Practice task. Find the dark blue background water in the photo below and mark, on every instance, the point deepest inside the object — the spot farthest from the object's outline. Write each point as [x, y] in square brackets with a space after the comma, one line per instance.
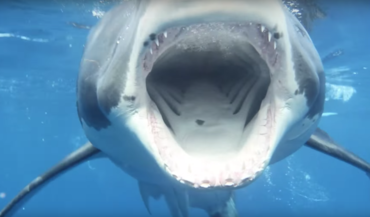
[40, 54]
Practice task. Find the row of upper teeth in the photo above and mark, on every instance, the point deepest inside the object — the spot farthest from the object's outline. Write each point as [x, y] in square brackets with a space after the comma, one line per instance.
[263, 28]
[156, 41]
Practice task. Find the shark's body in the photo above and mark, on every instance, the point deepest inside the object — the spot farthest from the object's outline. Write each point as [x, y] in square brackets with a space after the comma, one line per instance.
[195, 98]
[193, 85]
[154, 99]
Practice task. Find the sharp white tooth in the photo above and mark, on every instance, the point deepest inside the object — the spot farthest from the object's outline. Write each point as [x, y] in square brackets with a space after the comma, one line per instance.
[157, 42]
[269, 35]
[176, 177]
[245, 175]
[274, 45]
[165, 34]
[151, 51]
[229, 183]
[262, 28]
[205, 184]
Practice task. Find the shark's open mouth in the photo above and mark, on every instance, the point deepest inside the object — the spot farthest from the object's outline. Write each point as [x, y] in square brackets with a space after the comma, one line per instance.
[210, 113]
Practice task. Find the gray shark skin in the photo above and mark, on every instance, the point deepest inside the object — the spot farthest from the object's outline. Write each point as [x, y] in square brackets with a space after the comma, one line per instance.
[194, 99]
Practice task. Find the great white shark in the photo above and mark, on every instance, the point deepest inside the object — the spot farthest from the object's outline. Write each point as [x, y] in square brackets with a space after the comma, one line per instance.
[194, 99]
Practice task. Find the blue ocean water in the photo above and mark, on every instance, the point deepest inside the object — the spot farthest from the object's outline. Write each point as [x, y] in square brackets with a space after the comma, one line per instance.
[40, 52]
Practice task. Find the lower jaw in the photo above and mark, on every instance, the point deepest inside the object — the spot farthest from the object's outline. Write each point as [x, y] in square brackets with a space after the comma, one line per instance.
[233, 173]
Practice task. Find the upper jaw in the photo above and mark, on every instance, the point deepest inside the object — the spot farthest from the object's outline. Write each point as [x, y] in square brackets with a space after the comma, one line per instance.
[264, 40]
[161, 16]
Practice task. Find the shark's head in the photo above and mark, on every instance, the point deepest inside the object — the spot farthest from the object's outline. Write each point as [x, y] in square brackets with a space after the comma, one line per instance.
[212, 89]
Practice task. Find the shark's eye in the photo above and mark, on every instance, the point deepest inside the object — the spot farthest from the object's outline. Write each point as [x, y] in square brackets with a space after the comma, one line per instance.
[276, 35]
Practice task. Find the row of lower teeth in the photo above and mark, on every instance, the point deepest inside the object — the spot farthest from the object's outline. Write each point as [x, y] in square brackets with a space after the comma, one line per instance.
[188, 175]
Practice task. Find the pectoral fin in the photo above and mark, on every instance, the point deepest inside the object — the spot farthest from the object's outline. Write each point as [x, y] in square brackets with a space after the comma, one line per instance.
[321, 141]
[86, 152]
